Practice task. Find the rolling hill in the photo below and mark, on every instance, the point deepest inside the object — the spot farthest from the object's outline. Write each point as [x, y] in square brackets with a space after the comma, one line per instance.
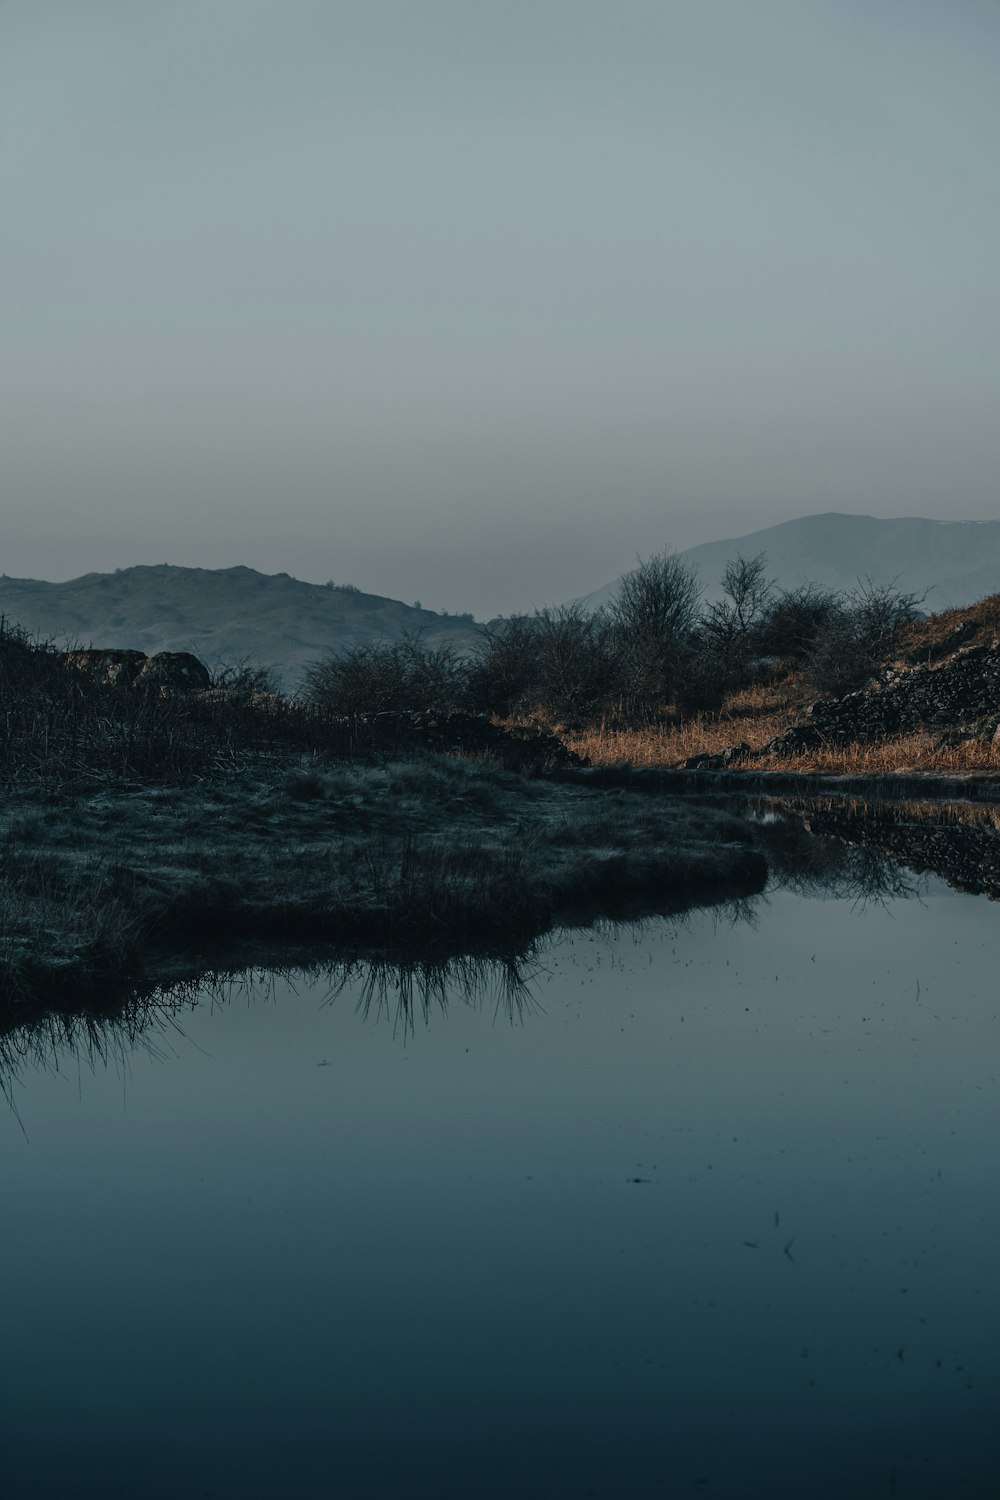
[948, 563]
[236, 614]
[222, 615]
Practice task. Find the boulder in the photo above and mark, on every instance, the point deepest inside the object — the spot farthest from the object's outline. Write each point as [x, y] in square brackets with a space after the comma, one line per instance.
[111, 668]
[172, 672]
[166, 672]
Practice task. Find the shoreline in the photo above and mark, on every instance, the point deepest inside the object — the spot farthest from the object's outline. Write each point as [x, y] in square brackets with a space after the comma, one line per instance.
[972, 786]
[103, 889]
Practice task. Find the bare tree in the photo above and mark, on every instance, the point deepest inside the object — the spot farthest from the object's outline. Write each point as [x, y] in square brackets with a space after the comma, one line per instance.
[726, 629]
[653, 616]
[658, 599]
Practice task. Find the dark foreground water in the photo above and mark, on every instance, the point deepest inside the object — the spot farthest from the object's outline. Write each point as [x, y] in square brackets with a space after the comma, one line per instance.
[716, 1215]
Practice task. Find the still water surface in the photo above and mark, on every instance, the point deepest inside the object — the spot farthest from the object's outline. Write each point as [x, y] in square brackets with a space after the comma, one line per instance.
[713, 1213]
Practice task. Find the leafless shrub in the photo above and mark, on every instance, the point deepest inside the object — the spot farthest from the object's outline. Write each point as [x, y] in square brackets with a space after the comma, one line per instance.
[386, 677]
[858, 636]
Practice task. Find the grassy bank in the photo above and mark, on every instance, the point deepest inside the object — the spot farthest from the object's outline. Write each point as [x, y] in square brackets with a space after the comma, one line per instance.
[107, 884]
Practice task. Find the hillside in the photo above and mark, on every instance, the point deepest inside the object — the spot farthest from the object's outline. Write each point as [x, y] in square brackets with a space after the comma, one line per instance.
[220, 615]
[948, 563]
[932, 704]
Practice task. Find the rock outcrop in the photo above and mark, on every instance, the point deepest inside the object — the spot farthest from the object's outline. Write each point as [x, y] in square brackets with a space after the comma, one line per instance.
[173, 671]
[960, 697]
[166, 672]
[110, 668]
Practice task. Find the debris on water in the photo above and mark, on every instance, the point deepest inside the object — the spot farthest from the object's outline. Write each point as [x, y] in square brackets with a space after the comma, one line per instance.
[638, 1179]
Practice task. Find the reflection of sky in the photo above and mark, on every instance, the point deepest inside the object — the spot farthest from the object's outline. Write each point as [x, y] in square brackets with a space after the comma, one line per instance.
[422, 1269]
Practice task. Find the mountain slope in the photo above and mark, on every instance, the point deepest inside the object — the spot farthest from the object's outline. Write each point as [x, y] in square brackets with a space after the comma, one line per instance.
[222, 615]
[949, 563]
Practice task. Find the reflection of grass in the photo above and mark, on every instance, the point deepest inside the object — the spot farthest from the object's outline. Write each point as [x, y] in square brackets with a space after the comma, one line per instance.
[431, 855]
[402, 992]
[152, 1017]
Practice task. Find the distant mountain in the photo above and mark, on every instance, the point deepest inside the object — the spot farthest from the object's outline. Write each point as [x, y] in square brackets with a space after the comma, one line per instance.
[950, 563]
[222, 615]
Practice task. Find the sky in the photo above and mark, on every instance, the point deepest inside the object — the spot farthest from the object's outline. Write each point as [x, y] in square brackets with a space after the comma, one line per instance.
[476, 301]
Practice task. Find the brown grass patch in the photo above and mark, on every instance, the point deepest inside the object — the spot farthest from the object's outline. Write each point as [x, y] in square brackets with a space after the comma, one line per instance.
[671, 746]
[920, 752]
[927, 638]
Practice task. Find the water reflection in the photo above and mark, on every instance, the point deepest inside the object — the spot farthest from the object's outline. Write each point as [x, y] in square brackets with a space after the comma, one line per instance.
[841, 848]
[60, 1041]
[719, 1220]
[809, 861]
[400, 993]
[959, 842]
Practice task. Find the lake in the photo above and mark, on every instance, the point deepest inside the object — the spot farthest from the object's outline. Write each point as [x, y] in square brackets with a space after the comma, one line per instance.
[701, 1207]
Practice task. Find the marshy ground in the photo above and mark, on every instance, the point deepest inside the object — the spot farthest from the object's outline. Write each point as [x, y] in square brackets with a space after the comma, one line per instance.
[103, 885]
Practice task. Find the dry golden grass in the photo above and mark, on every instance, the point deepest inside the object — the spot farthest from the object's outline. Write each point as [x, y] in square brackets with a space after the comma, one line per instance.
[652, 746]
[751, 716]
[926, 638]
[671, 747]
[919, 752]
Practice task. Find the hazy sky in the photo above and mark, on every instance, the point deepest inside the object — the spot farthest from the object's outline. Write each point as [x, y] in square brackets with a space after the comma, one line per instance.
[472, 301]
